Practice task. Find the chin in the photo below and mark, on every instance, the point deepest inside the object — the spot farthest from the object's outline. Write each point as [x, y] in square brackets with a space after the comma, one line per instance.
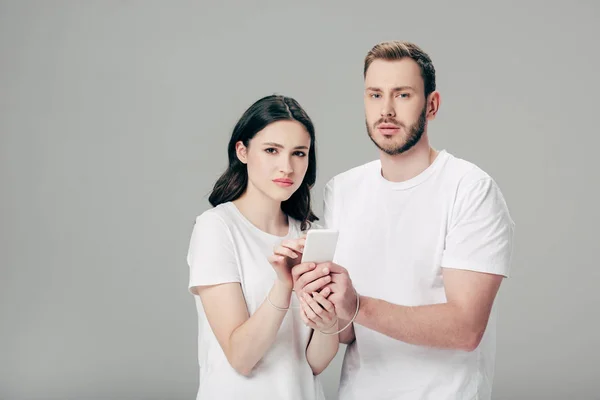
[281, 195]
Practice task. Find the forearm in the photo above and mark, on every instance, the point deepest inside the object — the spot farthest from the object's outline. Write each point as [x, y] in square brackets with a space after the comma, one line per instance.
[347, 335]
[250, 341]
[321, 350]
[436, 325]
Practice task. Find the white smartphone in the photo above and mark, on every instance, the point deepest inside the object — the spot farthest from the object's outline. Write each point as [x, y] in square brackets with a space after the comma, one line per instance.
[320, 245]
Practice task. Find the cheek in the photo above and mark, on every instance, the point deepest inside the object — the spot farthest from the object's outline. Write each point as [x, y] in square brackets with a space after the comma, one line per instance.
[258, 167]
[301, 165]
[372, 113]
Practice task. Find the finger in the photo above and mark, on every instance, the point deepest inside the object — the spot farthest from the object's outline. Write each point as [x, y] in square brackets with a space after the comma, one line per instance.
[284, 251]
[326, 291]
[301, 269]
[339, 278]
[334, 268]
[323, 302]
[306, 321]
[315, 307]
[310, 313]
[312, 276]
[294, 245]
[316, 285]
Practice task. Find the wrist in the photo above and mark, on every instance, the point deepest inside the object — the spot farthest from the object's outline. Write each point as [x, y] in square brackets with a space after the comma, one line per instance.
[285, 284]
[361, 313]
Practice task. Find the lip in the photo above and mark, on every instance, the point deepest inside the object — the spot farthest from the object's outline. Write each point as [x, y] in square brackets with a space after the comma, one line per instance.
[283, 182]
[387, 126]
[386, 129]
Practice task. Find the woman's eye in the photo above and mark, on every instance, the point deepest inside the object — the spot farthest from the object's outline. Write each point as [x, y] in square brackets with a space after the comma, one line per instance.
[300, 154]
[271, 150]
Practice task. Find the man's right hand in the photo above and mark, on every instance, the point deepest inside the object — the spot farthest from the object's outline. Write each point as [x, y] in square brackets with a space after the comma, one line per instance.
[333, 276]
[310, 277]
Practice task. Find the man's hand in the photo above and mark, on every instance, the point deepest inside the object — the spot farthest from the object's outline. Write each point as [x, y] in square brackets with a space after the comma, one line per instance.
[310, 277]
[333, 276]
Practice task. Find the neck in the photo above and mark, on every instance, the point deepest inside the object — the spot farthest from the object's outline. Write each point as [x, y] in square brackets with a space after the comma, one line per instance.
[405, 166]
[262, 211]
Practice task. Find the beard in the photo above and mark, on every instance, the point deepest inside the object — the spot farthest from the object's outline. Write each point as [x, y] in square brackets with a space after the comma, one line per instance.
[413, 135]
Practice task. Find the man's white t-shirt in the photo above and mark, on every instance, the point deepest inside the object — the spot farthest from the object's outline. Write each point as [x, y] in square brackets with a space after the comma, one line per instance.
[226, 247]
[395, 238]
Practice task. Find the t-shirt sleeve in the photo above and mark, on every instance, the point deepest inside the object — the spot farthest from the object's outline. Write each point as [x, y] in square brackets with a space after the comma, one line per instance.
[480, 235]
[211, 254]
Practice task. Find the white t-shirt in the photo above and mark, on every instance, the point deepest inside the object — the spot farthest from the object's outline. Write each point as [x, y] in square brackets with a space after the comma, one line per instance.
[226, 247]
[395, 238]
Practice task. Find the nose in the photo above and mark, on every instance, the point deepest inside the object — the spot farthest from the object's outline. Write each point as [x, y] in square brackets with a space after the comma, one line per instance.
[286, 165]
[388, 109]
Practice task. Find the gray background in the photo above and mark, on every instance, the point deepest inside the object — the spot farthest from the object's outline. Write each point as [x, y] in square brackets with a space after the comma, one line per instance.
[114, 119]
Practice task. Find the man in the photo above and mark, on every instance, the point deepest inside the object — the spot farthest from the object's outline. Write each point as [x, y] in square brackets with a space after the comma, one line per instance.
[425, 242]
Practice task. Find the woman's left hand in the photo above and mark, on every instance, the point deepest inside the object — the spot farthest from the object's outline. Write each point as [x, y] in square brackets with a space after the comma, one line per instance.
[317, 312]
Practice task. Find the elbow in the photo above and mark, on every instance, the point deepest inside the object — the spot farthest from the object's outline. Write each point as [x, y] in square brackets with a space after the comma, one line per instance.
[240, 367]
[471, 340]
[240, 363]
[317, 371]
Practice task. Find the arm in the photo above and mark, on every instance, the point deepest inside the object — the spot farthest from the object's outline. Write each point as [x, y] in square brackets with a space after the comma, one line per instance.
[321, 350]
[214, 276]
[347, 335]
[244, 339]
[319, 314]
[476, 258]
[457, 324]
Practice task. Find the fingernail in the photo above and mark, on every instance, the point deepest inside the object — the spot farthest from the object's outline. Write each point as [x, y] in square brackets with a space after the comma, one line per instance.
[312, 265]
[314, 293]
[326, 270]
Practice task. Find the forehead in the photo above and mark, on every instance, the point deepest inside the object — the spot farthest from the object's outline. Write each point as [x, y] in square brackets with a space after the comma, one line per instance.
[284, 132]
[386, 74]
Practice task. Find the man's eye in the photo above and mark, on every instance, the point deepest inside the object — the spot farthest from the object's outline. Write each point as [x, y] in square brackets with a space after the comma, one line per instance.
[375, 95]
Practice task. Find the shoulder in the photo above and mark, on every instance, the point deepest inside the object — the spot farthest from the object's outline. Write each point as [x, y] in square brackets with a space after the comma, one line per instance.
[353, 176]
[463, 175]
[474, 190]
[216, 220]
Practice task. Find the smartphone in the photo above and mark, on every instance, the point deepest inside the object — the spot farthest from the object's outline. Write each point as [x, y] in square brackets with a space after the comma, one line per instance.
[320, 245]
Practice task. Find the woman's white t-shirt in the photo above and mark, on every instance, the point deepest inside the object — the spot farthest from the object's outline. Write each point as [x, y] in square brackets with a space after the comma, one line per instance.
[226, 247]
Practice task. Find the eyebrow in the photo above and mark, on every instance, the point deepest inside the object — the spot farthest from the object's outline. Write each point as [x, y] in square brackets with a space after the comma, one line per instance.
[273, 144]
[396, 89]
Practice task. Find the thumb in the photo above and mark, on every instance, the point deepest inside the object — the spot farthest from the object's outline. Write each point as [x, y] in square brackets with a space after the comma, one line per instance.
[336, 269]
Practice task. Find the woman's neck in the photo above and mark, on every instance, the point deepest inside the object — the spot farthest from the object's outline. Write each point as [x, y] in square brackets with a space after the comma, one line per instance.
[263, 212]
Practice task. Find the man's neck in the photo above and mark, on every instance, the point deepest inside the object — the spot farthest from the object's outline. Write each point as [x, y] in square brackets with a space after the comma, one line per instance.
[405, 166]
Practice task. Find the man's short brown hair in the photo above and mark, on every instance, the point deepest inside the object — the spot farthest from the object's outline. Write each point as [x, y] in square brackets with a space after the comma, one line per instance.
[397, 50]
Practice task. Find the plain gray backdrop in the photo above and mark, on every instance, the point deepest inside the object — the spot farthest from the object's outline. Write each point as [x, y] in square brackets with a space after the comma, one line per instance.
[114, 121]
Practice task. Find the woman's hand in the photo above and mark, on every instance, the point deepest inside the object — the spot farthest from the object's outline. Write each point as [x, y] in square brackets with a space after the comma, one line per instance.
[285, 256]
[318, 312]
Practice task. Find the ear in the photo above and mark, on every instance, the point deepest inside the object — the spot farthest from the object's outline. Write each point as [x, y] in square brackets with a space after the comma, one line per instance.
[433, 104]
[242, 152]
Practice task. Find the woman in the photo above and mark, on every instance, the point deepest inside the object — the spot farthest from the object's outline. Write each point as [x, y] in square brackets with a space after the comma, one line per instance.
[254, 342]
